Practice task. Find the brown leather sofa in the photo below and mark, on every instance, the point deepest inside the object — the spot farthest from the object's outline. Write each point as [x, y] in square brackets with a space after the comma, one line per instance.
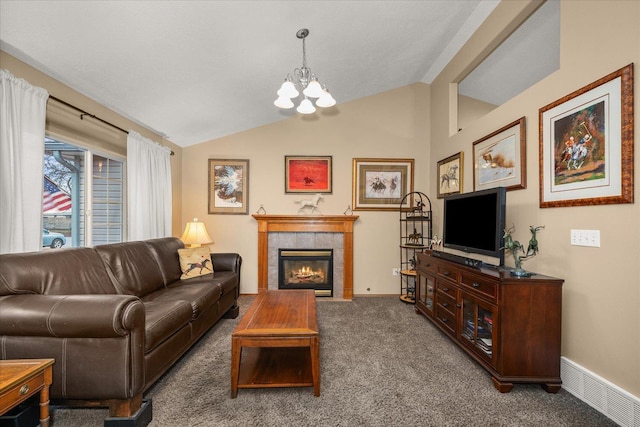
[114, 317]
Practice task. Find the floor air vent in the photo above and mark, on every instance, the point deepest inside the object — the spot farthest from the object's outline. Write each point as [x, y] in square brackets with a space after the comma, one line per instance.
[614, 402]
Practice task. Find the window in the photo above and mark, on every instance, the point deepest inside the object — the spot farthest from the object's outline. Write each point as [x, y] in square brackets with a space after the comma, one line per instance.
[84, 196]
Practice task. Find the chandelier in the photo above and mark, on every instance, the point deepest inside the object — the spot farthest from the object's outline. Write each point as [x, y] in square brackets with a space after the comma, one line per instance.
[307, 83]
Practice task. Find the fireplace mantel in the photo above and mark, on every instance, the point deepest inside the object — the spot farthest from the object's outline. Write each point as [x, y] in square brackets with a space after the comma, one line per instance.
[305, 224]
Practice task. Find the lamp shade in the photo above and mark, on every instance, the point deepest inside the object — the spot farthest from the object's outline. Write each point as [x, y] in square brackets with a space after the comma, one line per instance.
[288, 89]
[195, 234]
[314, 89]
[283, 102]
[325, 100]
[306, 107]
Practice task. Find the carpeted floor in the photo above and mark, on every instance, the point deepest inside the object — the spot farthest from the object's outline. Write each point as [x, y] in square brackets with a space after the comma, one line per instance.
[381, 365]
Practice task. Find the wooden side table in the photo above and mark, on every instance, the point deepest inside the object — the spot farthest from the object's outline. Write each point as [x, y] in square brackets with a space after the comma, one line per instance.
[23, 378]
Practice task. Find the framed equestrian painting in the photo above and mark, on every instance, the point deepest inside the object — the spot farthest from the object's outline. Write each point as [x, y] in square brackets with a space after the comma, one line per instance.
[586, 144]
[499, 159]
[307, 174]
[449, 177]
[380, 184]
[229, 187]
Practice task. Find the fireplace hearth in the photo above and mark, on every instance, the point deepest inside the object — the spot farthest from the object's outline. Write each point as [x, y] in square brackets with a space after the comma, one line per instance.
[306, 269]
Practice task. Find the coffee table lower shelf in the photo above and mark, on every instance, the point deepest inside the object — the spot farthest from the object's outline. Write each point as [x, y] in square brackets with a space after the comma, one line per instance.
[264, 367]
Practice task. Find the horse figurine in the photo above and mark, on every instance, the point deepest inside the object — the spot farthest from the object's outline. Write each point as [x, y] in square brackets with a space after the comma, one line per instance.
[414, 238]
[313, 203]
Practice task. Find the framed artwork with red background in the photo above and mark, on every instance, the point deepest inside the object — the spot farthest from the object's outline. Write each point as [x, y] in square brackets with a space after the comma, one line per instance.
[308, 174]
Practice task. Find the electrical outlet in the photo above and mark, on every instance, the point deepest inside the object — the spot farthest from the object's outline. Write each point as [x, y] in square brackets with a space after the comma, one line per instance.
[585, 238]
[395, 271]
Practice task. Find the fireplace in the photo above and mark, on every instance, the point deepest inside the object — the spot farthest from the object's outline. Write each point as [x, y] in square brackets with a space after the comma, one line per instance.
[338, 228]
[306, 269]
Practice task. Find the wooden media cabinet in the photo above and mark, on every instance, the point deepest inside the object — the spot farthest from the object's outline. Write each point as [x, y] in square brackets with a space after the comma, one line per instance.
[510, 325]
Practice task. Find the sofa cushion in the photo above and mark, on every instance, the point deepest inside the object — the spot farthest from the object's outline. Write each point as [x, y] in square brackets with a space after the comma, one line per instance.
[200, 293]
[54, 272]
[228, 281]
[195, 262]
[163, 319]
[132, 266]
[165, 250]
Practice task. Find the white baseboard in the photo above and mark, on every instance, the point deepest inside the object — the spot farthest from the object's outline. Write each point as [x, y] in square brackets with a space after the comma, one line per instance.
[606, 397]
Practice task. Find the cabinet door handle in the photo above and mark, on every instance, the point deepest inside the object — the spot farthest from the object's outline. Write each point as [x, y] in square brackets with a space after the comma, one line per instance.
[475, 284]
[459, 305]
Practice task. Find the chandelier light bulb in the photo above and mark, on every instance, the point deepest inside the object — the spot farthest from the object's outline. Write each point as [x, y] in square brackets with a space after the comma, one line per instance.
[283, 102]
[313, 90]
[325, 100]
[288, 89]
[306, 107]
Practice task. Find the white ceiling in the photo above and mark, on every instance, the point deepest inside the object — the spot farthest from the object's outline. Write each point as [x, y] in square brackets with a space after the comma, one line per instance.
[199, 70]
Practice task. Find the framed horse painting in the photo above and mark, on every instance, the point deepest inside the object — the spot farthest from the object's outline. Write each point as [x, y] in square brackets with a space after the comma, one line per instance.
[449, 179]
[380, 184]
[586, 144]
[308, 174]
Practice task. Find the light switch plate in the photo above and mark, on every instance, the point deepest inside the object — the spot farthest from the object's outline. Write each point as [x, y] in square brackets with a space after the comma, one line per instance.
[585, 238]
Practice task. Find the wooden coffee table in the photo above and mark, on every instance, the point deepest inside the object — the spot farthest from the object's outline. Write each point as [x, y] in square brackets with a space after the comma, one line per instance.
[277, 343]
[22, 378]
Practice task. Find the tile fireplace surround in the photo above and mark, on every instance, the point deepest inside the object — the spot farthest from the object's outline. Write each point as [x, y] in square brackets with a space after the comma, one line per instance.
[306, 229]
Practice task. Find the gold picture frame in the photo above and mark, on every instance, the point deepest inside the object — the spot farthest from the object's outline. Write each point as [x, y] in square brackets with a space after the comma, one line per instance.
[450, 175]
[380, 184]
[586, 144]
[500, 158]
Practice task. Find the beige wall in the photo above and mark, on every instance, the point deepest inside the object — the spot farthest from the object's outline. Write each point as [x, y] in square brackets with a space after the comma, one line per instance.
[393, 124]
[65, 123]
[601, 305]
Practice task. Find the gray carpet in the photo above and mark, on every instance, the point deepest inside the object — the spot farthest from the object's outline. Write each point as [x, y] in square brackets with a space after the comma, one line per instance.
[381, 365]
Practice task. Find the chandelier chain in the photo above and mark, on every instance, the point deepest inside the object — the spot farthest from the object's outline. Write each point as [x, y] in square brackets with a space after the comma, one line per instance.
[304, 52]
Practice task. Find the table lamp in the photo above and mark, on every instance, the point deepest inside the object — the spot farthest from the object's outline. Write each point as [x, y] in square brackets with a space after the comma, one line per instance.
[195, 234]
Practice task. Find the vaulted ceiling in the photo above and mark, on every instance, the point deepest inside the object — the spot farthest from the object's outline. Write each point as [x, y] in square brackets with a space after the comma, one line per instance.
[199, 70]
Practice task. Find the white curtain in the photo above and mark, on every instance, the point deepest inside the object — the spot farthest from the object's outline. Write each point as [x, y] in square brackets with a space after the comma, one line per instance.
[148, 188]
[23, 110]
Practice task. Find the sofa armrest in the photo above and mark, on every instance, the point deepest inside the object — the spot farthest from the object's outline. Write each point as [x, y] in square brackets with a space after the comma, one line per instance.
[70, 316]
[226, 262]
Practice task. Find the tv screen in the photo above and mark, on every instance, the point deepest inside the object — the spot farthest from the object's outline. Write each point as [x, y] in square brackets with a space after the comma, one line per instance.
[475, 222]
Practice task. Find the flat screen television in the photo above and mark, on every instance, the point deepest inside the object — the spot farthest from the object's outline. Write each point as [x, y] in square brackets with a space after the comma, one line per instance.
[475, 222]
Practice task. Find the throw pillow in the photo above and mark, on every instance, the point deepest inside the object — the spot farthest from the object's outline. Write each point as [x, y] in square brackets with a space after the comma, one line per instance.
[195, 262]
